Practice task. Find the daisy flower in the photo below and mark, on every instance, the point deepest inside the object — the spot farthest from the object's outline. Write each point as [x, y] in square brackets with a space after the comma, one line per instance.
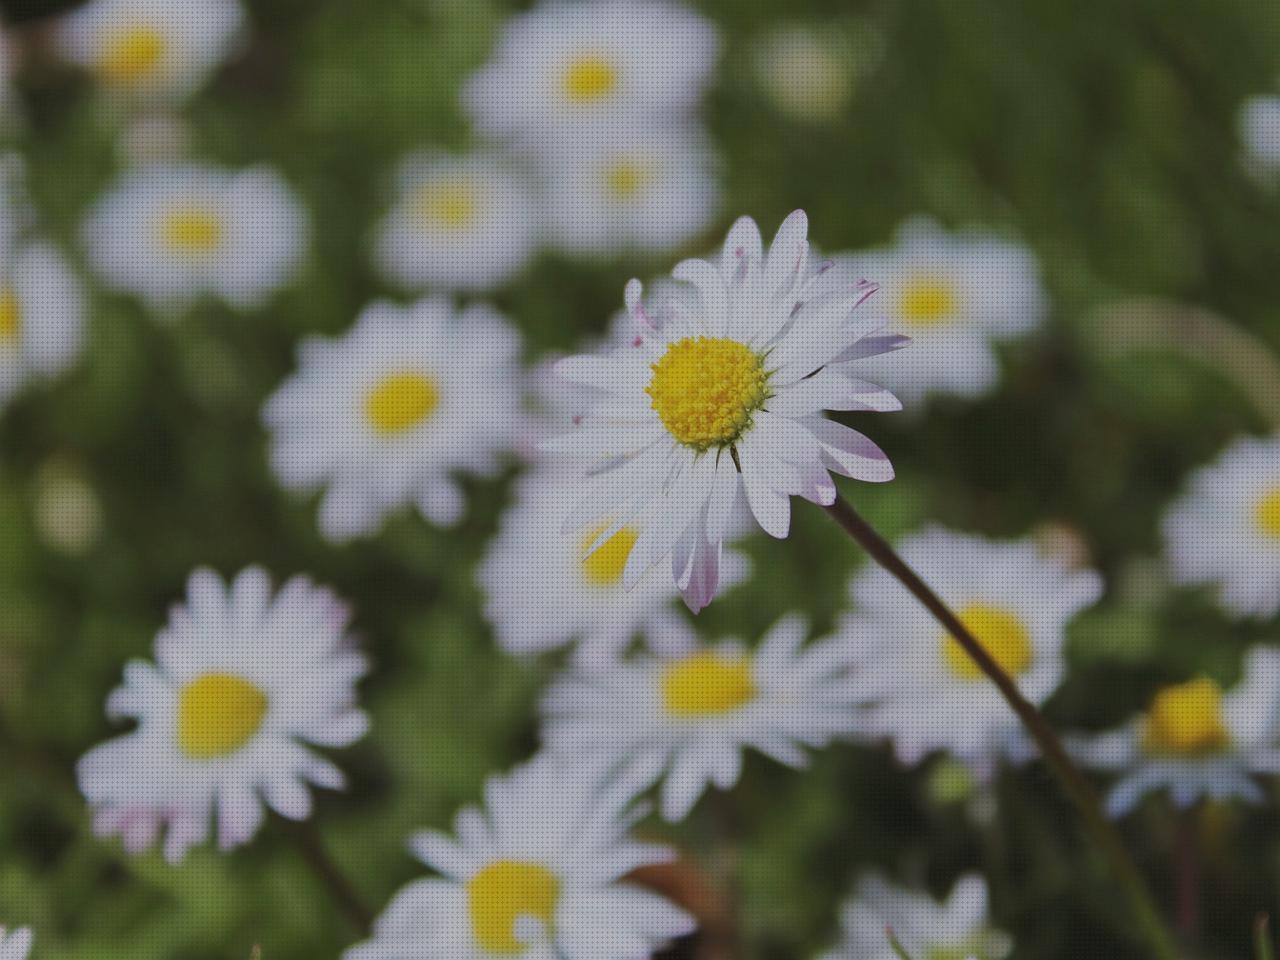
[1015, 600]
[1260, 131]
[244, 682]
[565, 63]
[15, 944]
[683, 711]
[633, 190]
[809, 72]
[726, 393]
[457, 223]
[1225, 531]
[536, 875]
[173, 233]
[954, 295]
[925, 928]
[41, 315]
[383, 416]
[1195, 740]
[546, 589]
[151, 49]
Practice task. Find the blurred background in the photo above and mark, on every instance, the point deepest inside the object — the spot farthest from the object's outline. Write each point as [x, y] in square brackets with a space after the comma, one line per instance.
[1104, 137]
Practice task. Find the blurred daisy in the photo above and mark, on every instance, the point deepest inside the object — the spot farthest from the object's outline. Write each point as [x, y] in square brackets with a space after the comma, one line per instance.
[1195, 740]
[954, 295]
[41, 315]
[567, 63]
[1013, 598]
[642, 190]
[171, 234]
[382, 417]
[151, 49]
[725, 393]
[243, 683]
[15, 944]
[537, 874]
[458, 223]
[684, 711]
[926, 929]
[546, 589]
[809, 71]
[1225, 530]
[1260, 131]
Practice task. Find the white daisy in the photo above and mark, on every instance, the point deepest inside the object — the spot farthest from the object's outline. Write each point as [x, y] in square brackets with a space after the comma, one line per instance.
[545, 588]
[384, 416]
[171, 234]
[243, 683]
[457, 223]
[726, 393]
[1195, 740]
[537, 875]
[1017, 603]
[629, 189]
[1225, 530]
[15, 944]
[926, 929]
[683, 711]
[954, 295]
[809, 71]
[151, 49]
[567, 63]
[41, 315]
[1260, 131]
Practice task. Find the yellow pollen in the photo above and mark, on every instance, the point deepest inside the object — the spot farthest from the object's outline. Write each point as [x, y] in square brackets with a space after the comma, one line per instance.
[927, 302]
[1266, 514]
[502, 893]
[1187, 719]
[626, 178]
[705, 390]
[705, 684]
[589, 79]
[401, 401]
[192, 230]
[218, 714]
[130, 53]
[603, 566]
[10, 314]
[449, 205]
[1002, 635]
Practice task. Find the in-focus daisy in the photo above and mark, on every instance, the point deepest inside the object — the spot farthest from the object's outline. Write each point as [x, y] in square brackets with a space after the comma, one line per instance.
[537, 875]
[173, 233]
[1260, 132]
[565, 64]
[726, 393]
[1017, 603]
[683, 711]
[954, 295]
[382, 417]
[243, 684]
[457, 223]
[1225, 531]
[41, 315]
[926, 929]
[152, 49]
[1196, 740]
[546, 588]
[629, 189]
[15, 944]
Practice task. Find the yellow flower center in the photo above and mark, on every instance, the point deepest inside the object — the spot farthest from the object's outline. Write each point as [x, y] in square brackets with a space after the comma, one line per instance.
[626, 178]
[1002, 634]
[1266, 514]
[192, 229]
[927, 302]
[10, 314]
[1187, 719]
[705, 390]
[501, 894]
[589, 79]
[603, 566]
[401, 401]
[130, 53]
[218, 714]
[707, 683]
[448, 205]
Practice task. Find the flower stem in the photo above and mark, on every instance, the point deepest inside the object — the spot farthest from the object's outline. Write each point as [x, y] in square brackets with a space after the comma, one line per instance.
[320, 863]
[1077, 788]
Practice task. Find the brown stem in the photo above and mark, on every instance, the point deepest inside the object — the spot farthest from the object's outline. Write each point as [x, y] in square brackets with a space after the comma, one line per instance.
[1077, 788]
[1187, 866]
[335, 881]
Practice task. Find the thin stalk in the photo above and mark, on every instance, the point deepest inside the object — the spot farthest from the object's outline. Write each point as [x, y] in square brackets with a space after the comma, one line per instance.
[1076, 787]
[1187, 865]
[1262, 939]
[330, 874]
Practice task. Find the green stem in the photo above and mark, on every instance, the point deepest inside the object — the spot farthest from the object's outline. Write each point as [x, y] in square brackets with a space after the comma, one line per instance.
[330, 874]
[1099, 829]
